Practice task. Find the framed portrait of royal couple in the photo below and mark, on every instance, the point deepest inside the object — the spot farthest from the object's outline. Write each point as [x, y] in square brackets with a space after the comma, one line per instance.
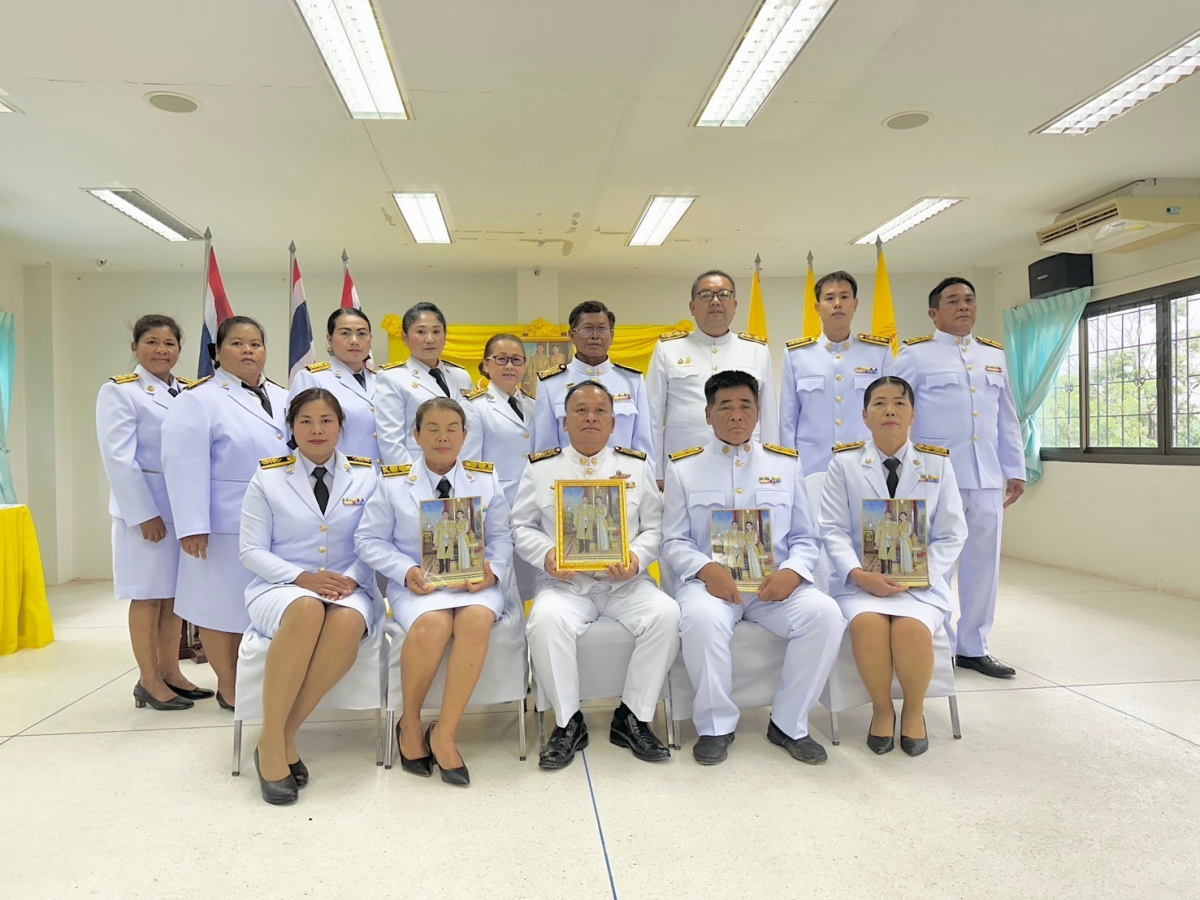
[452, 540]
[591, 528]
[743, 542]
[895, 540]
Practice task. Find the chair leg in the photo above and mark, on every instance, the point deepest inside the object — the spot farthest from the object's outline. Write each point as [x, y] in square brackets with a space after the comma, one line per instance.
[833, 729]
[379, 737]
[669, 717]
[954, 717]
[391, 728]
[521, 728]
[541, 717]
[237, 747]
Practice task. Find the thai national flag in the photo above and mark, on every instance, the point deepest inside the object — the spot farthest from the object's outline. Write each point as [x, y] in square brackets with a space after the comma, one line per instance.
[349, 294]
[300, 343]
[216, 311]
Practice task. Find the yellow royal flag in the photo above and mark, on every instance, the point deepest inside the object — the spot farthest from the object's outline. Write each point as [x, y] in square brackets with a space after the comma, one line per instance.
[758, 312]
[812, 319]
[883, 315]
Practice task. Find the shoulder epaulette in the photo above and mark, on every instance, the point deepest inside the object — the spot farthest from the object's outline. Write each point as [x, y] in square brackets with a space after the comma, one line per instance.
[839, 446]
[673, 335]
[274, 462]
[552, 371]
[125, 379]
[396, 470]
[446, 362]
[625, 451]
[319, 367]
[800, 342]
[875, 339]
[359, 460]
[918, 340]
[786, 451]
[932, 448]
[998, 346]
[198, 382]
[478, 392]
[684, 454]
[747, 336]
[617, 365]
[390, 366]
[186, 382]
[545, 454]
[472, 465]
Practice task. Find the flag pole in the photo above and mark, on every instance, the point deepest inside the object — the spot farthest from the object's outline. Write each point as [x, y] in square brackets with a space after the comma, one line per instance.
[878, 247]
[204, 295]
[345, 261]
[757, 262]
[810, 259]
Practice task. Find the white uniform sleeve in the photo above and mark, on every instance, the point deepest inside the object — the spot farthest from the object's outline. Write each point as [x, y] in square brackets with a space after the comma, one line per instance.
[187, 464]
[545, 427]
[373, 539]
[390, 425]
[947, 526]
[768, 423]
[889, 364]
[789, 403]
[679, 549]
[836, 522]
[473, 445]
[362, 573]
[257, 527]
[906, 367]
[1008, 430]
[804, 544]
[116, 429]
[532, 543]
[497, 530]
[648, 541]
[642, 439]
[302, 382]
[656, 401]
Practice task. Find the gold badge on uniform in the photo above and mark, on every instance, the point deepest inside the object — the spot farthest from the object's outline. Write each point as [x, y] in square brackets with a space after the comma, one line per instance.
[770, 479]
[994, 369]
[353, 501]
[865, 370]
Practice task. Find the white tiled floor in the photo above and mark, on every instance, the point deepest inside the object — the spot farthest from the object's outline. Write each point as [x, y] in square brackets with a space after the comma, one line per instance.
[1078, 779]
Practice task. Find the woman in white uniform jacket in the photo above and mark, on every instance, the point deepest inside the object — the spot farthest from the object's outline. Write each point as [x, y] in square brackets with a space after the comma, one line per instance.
[213, 437]
[891, 626]
[405, 386]
[129, 414]
[390, 541]
[311, 595]
[349, 333]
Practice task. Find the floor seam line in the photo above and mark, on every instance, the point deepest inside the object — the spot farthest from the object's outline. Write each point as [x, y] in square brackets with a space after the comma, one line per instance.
[73, 702]
[1135, 718]
[600, 828]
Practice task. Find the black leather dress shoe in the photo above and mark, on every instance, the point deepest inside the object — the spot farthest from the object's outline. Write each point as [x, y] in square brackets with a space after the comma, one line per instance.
[988, 665]
[560, 750]
[881, 745]
[143, 698]
[277, 793]
[192, 693]
[712, 748]
[804, 749]
[299, 771]
[422, 765]
[627, 731]
[915, 746]
[458, 775]
[223, 703]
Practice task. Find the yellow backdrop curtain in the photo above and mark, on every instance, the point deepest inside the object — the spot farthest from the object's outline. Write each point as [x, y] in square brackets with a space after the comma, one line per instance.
[24, 613]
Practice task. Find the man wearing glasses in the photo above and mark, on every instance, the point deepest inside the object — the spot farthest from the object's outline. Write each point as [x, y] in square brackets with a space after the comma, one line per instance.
[683, 362]
[592, 326]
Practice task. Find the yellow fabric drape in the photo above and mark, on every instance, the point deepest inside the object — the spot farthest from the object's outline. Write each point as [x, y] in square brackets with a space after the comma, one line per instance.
[24, 612]
[883, 314]
[812, 319]
[758, 312]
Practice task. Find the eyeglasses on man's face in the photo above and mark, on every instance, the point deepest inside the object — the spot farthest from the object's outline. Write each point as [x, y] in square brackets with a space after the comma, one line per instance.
[597, 331]
[707, 296]
[503, 361]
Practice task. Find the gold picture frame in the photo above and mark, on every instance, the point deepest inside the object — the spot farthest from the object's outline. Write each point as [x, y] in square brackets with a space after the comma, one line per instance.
[542, 353]
[451, 528]
[895, 540]
[606, 540]
[729, 531]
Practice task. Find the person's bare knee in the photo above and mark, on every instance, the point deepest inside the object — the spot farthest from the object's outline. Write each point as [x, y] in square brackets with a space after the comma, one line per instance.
[870, 625]
[306, 613]
[473, 623]
[344, 622]
[912, 633]
[431, 628]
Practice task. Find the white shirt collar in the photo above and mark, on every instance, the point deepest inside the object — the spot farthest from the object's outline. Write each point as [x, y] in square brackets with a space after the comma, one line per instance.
[947, 338]
[582, 368]
[308, 465]
[147, 375]
[709, 341]
[830, 344]
[580, 460]
[434, 478]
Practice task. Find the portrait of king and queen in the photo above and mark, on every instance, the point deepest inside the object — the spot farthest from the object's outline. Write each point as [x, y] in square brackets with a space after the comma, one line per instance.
[591, 524]
[452, 540]
[742, 542]
[542, 354]
[895, 540]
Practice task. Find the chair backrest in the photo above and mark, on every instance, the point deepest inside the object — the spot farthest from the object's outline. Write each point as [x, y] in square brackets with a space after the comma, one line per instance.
[815, 485]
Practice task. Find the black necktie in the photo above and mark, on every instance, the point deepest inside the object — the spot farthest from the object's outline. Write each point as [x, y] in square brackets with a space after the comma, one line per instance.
[173, 391]
[893, 475]
[320, 490]
[261, 392]
[443, 489]
[361, 378]
[440, 379]
[516, 407]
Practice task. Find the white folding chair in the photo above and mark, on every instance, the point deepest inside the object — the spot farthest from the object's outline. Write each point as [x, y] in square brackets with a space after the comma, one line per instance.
[363, 687]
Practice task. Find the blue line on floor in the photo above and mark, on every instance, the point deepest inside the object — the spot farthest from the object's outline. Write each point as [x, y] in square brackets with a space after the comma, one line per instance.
[603, 846]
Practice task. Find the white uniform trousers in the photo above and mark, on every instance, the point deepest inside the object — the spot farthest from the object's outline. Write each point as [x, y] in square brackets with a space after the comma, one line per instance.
[810, 620]
[978, 571]
[559, 616]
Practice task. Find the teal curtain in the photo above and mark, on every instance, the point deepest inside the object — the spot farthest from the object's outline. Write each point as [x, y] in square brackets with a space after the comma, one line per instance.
[1038, 336]
[8, 364]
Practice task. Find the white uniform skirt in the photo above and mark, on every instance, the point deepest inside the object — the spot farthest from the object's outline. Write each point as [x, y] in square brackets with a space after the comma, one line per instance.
[143, 570]
[211, 592]
[267, 606]
[407, 607]
[909, 605]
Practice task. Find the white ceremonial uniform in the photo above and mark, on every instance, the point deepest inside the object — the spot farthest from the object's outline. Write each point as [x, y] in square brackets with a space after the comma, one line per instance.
[682, 362]
[212, 440]
[284, 534]
[821, 394]
[129, 414]
[389, 537]
[749, 476]
[563, 610]
[401, 389]
[857, 474]
[631, 408]
[964, 403]
[359, 436]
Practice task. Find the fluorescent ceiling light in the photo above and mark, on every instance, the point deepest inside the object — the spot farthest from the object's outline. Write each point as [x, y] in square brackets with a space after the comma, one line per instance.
[661, 216]
[349, 36]
[423, 213]
[4, 108]
[775, 37]
[146, 212]
[1152, 79]
[919, 212]
[4, 104]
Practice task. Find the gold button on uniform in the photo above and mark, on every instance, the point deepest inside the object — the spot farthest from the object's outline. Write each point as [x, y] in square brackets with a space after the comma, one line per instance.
[738, 491]
[970, 368]
[324, 527]
[837, 399]
[837, 421]
[975, 438]
[975, 414]
[320, 549]
[838, 377]
[973, 391]
[372, 409]
[837, 356]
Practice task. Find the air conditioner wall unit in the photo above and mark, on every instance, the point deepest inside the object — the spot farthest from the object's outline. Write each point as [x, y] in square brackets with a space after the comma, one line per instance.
[1130, 218]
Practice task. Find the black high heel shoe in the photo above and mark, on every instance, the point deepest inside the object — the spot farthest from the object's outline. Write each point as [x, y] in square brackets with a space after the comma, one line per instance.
[191, 693]
[277, 793]
[915, 746]
[300, 772]
[881, 744]
[142, 697]
[423, 765]
[223, 703]
[458, 776]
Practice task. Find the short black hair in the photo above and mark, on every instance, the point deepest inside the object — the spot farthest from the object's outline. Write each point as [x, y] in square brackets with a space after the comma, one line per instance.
[730, 378]
[888, 379]
[832, 278]
[152, 321]
[590, 307]
[342, 312]
[439, 403]
[589, 383]
[709, 274]
[935, 296]
[414, 311]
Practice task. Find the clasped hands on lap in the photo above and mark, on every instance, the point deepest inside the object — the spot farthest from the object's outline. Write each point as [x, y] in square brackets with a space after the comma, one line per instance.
[877, 583]
[327, 585]
[416, 582]
[777, 586]
[613, 571]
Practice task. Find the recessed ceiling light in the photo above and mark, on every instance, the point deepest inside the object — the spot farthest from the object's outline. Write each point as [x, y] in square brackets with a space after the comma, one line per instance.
[1136, 88]
[169, 101]
[349, 36]
[919, 212]
[146, 212]
[775, 37]
[659, 219]
[907, 120]
[422, 210]
[5, 105]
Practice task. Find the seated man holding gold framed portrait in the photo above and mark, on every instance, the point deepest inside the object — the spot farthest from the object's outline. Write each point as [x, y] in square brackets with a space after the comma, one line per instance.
[579, 580]
[734, 479]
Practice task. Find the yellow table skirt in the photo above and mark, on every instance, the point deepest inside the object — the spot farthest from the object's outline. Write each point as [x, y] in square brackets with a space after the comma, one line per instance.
[24, 611]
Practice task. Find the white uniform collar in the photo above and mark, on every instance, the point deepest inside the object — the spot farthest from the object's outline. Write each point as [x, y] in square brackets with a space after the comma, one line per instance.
[153, 380]
[578, 366]
[331, 465]
[947, 338]
[835, 345]
[339, 366]
[435, 478]
[579, 459]
[709, 341]
[736, 451]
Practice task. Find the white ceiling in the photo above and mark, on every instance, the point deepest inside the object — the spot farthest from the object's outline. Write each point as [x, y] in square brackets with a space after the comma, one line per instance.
[554, 120]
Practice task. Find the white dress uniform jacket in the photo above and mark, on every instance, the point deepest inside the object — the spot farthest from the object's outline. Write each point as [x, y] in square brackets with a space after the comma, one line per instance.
[682, 362]
[497, 434]
[401, 389]
[564, 609]
[857, 474]
[284, 534]
[389, 537]
[721, 476]
[631, 408]
[821, 395]
[130, 410]
[358, 403]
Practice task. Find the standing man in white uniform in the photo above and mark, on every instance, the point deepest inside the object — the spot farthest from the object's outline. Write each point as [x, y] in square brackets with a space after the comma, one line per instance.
[821, 393]
[683, 361]
[966, 404]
